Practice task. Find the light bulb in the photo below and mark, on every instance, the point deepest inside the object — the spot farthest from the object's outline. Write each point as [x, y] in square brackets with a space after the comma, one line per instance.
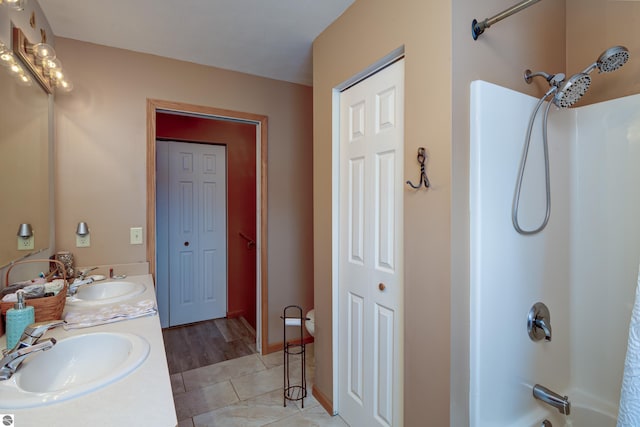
[24, 80]
[65, 85]
[57, 75]
[43, 51]
[51, 64]
[6, 59]
[6, 56]
[16, 4]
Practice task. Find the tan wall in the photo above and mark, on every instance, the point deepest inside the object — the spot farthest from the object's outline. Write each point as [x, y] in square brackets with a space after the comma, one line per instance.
[45, 237]
[596, 25]
[535, 39]
[364, 34]
[441, 61]
[101, 149]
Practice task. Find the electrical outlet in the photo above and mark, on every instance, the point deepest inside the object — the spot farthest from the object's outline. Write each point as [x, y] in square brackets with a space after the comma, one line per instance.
[26, 243]
[135, 235]
[83, 241]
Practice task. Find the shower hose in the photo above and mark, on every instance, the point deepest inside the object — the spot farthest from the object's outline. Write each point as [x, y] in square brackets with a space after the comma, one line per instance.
[523, 163]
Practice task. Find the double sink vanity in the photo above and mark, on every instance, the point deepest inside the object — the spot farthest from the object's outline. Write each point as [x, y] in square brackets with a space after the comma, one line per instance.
[112, 374]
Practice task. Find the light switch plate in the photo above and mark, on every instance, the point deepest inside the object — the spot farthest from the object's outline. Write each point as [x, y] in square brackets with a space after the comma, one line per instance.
[26, 244]
[135, 235]
[83, 241]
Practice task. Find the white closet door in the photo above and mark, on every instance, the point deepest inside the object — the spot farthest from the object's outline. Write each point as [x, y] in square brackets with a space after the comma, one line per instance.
[370, 250]
[197, 233]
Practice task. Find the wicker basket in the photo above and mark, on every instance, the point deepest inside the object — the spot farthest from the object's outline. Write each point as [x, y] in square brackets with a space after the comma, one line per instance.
[46, 308]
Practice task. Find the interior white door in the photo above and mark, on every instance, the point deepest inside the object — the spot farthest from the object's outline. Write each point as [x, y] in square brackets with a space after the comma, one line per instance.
[370, 250]
[197, 233]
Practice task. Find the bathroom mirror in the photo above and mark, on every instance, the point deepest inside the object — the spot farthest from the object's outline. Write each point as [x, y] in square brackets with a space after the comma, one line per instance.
[24, 165]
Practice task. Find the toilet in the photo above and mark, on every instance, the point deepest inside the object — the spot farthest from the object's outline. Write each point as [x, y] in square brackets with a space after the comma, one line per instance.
[310, 323]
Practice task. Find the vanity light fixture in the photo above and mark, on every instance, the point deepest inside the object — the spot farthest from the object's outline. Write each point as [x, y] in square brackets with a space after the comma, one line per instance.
[14, 4]
[9, 61]
[25, 237]
[83, 239]
[6, 56]
[41, 60]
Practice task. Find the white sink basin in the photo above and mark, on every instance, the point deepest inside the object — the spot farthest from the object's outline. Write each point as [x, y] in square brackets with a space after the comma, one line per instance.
[105, 293]
[74, 367]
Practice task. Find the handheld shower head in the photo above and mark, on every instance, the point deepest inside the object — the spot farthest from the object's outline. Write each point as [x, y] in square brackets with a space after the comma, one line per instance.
[610, 60]
[572, 90]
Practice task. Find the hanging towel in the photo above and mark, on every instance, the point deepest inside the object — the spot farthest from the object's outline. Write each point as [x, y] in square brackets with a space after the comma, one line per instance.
[629, 412]
[116, 313]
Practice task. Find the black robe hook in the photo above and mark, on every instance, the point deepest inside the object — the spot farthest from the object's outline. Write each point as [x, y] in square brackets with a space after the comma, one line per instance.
[422, 157]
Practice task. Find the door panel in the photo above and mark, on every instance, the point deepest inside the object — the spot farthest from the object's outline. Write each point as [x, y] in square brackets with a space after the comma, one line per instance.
[370, 362]
[385, 212]
[383, 362]
[356, 209]
[185, 283]
[355, 350]
[197, 233]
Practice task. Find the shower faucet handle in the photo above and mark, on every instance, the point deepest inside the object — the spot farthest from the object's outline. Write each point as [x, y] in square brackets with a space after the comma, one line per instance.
[539, 322]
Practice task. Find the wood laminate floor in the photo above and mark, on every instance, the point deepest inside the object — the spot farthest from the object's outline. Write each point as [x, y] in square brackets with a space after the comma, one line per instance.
[206, 343]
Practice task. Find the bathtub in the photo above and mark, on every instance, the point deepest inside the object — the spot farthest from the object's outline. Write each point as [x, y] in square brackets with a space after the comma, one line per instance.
[583, 417]
[565, 266]
[586, 411]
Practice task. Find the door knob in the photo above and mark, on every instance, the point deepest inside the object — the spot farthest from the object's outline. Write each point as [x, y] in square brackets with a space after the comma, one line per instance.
[381, 286]
[186, 243]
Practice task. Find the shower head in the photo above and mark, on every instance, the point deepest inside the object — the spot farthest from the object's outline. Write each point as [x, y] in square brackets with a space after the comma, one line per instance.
[568, 92]
[610, 60]
[572, 90]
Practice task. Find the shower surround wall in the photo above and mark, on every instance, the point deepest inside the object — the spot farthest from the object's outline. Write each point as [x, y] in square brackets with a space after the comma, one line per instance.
[583, 266]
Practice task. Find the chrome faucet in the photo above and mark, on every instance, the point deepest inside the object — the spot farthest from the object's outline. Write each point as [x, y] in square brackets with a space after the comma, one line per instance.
[539, 322]
[73, 288]
[542, 323]
[80, 280]
[27, 344]
[561, 403]
[82, 273]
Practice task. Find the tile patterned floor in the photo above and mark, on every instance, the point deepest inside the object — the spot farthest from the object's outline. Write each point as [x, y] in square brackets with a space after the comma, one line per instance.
[243, 391]
[247, 392]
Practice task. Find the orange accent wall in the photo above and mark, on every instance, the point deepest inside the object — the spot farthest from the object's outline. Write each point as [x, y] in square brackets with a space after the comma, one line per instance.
[240, 140]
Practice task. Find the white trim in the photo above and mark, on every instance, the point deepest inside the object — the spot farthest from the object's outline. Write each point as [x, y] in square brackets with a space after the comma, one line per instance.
[335, 244]
[258, 237]
[384, 62]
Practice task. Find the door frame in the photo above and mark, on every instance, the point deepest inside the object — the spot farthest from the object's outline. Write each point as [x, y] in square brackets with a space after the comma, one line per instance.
[387, 60]
[213, 113]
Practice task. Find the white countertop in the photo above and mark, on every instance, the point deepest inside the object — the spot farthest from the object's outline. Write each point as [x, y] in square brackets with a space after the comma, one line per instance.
[143, 398]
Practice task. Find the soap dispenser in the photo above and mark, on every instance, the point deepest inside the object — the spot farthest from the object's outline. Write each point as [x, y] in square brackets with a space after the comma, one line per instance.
[18, 318]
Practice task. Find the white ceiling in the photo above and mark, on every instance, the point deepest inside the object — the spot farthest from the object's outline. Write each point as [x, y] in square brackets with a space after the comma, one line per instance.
[269, 38]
